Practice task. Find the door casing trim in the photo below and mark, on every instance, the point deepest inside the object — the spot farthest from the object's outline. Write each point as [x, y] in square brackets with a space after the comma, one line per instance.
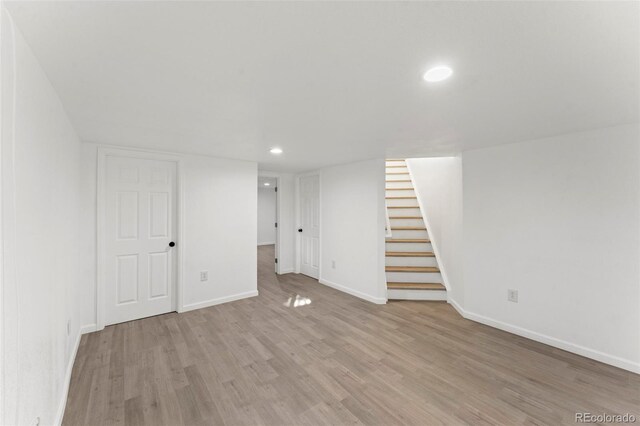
[102, 155]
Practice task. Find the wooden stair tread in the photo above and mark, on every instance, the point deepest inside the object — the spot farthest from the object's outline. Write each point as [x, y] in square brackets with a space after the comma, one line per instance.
[405, 217]
[408, 228]
[410, 254]
[399, 189]
[394, 159]
[411, 269]
[401, 198]
[408, 240]
[403, 207]
[416, 286]
[397, 173]
[394, 167]
[399, 180]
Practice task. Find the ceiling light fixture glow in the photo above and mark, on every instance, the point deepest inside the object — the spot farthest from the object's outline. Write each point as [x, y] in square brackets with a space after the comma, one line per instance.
[436, 74]
[276, 150]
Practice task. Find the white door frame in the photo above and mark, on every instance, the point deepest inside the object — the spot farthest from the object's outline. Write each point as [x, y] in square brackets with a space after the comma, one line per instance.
[298, 215]
[103, 154]
[279, 227]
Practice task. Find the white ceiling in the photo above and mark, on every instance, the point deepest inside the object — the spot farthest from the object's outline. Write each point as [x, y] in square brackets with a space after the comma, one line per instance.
[335, 82]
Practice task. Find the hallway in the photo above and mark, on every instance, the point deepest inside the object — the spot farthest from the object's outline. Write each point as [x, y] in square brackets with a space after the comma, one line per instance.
[303, 353]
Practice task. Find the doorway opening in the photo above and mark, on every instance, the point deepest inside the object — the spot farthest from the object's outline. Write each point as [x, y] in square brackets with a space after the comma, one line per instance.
[309, 225]
[268, 219]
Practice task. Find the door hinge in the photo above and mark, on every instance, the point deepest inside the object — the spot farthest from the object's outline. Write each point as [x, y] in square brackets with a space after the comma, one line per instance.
[276, 224]
[276, 260]
[276, 188]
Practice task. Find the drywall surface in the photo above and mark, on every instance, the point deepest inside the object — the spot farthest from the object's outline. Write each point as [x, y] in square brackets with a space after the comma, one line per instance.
[352, 222]
[40, 210]
[266, 216]
[558, 220]
[438, 186]
[219, 230]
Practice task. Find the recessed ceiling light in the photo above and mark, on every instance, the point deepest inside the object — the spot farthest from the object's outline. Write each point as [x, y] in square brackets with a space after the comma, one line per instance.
[276, 150]
[437, 74]
[267, 184]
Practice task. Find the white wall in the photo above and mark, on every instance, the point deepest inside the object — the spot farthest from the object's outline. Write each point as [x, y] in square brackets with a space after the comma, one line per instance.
[286, 221]
[220, 227]
[438, 186]
[40, 210]
[558, 220]
[266, 216]
[352, 222]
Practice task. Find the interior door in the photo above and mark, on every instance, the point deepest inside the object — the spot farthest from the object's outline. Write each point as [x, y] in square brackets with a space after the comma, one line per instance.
[309, 225]
[140, 222]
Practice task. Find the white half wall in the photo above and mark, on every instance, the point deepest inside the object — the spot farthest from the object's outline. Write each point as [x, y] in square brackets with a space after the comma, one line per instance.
[40, 211]
[266, 216]
[352, 234]
[438, 185]
[220, 228]
[558, 220]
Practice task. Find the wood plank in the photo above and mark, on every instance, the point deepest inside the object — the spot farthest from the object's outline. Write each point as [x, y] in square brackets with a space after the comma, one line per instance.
[336, 360]
[415, 286]
[405, 217]
[408, 228]
[411, 269]
[402, 198]
[408, 240]
[410, 254]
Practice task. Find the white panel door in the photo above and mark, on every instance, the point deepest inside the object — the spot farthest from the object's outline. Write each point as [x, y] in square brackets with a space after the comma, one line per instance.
[140, 222]
[310, 225]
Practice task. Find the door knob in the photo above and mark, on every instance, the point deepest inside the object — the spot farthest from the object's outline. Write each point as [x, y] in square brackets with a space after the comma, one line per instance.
[300, 230]
[172, 244]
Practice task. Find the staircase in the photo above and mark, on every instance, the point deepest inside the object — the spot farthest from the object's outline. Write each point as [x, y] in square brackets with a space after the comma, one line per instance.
[411, 266]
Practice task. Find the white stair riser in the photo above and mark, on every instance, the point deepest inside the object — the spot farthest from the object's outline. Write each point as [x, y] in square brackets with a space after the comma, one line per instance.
[391, 185]
[405, 212]
[410, 261]
[397, 193]
[396, 169]
[414, 277]
[398, 177]
[402, 202]
[406, 222]
[395, 163]
[409, 247]
[408, 234]
[396, 294]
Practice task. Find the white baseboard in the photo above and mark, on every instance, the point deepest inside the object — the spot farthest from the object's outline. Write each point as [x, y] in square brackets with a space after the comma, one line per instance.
[218, 301]
[267, 244]
[67, 381]
[89, 328]
[594, 354]
[286, 271]
[356, 293]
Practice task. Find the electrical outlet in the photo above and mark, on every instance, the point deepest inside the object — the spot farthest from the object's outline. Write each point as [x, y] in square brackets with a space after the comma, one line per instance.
[204, 275]
[333, 264]
[512, 295]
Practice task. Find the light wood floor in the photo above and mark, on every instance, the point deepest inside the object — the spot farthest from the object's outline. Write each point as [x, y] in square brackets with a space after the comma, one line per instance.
[336, 360]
